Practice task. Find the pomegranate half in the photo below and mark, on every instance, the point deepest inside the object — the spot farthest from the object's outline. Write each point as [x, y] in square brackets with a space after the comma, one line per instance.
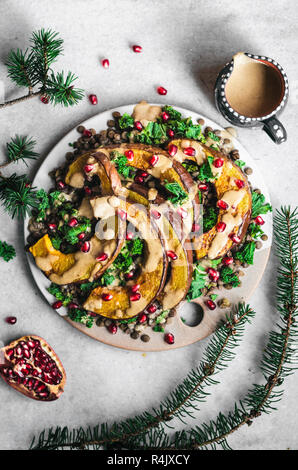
[31, 367]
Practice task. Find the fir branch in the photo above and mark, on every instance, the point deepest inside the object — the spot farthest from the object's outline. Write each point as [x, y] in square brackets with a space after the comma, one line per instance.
[20, 68]
[20, 148]
[7, 252]
[60, 90]
[181, 402]
[17, 196]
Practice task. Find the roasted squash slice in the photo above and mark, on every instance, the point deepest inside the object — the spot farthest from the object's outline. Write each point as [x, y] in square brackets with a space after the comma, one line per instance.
[122, 302]
[231, 187]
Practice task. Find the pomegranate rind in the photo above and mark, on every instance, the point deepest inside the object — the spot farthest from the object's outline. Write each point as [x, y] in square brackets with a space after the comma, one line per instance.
[55, 391]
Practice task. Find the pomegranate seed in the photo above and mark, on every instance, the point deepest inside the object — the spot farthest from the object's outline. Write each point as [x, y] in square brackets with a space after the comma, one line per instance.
[9, 353]
[57, 305]
[218, 162]
[203, 186]
[137, 48]
[81, 235]
[228, 260]
[213, 274]
[142, 318]
[87, 133]
[195, 227]
[153, 160]
[139, 179]
[31, 344]
[73, 222]
[210, 304]
[105, 63]
[102, 257]
[92, 314]
[129, 275]
[172, 255]
[88, 168]
[152, 308]
[222, 204]
[171, 133]
[259, 220]
[73, 305]
[135, 288]
[106, 296]
[85, 247]
[11, 320]
[129, 155]
[143, 174]
[27, 354]
[182, 212]
[93, 99]
[161, 90]
[173, 149]
[239, 183]
[165, 116]
[155, 214]
[87, 190]
[61, 185]
[44, 99]
[122, 214]
[221, 226]
[169, 338]
[129, 235]
[52, 226]
[135, 297]
[138, 125]
[112, 328]
[234, 238]
[189, 151]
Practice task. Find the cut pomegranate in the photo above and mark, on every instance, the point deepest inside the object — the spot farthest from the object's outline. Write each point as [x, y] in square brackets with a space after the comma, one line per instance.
[203, 186]
[239, 183]
[153, 160]
[57, 305]
[222, 204]
[173, 149]
[189, 151]
[218, 162]
[113, 328]
[169, 338]
[85, 247]
[73, 222]
[228, 260]
[142, 318]
[165, 116]
[135, 297]
[106, 296]
[210, 304]
[213, 274]
[172, 255]
[93, 99]
[171, 133]
[105, 63]
[152, 308]
[102, 257]
[52, 226]
[155, 214]
[11, 320]
[129, 155]
[221, 226]
[88, 168]
[31, 367]
[259, 220]
[137, 48]
[138, 125]
[235, 238]
[87, 133]
[161, 90]
[122, 214]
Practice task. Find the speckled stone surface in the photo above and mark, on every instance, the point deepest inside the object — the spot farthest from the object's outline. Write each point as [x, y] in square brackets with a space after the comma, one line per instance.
[185, 44]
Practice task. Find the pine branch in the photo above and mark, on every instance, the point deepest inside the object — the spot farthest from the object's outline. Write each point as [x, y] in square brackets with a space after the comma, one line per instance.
[16, 195]
[20, 148]
[33, 69]
[182, 401]
[7, 252]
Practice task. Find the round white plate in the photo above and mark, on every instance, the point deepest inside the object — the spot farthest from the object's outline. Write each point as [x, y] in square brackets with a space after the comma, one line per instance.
[183, 333]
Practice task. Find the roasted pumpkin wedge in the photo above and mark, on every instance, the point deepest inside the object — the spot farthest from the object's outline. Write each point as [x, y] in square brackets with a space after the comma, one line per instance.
[127, 301]
[234, 199]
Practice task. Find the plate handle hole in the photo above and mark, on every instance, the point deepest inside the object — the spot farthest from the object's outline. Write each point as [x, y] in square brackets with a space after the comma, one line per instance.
[191, 314]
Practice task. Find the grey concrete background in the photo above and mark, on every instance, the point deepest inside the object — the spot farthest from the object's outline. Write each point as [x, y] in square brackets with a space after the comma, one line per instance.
[185, 43]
